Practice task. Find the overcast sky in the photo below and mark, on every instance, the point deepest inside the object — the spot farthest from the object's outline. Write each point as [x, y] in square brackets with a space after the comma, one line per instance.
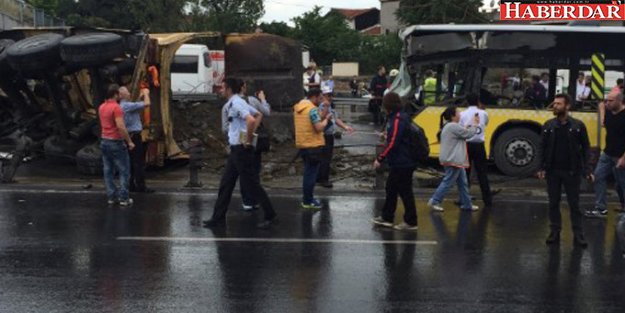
[285, 10]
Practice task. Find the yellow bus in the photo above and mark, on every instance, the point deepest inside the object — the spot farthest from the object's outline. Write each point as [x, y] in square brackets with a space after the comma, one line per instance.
[498, 62]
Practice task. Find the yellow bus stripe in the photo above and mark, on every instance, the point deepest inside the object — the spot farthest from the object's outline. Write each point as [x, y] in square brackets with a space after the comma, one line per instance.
[597, 91]
[599, 63]
[598, 79]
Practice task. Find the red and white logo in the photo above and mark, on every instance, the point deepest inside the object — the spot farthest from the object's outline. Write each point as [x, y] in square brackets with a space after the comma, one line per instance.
[544, 10]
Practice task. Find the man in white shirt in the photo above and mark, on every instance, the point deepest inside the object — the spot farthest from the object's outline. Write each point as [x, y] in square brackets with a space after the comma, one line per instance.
[475, 145]
[544, 80]
[583, 91]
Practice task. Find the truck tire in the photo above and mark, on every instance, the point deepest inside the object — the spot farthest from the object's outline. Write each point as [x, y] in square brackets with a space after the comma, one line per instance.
[89, 160]
[518, 152]
[4, 64]
[35, 54]
[60, 150]
[91, 49]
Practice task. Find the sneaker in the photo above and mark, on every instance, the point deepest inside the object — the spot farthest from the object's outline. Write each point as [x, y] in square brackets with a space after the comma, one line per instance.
[435, 207]
[472, 208]
[379, 221]
[314, 205]
[111, 201]
[127, 202]
[596, 213]
[406, 227]
[249, 207]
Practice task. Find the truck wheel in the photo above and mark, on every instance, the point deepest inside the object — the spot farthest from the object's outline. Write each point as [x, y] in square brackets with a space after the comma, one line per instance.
[518, 152]
[60, 150]
[89, 160]
[91, 49]
[35, 54]
[4, 46]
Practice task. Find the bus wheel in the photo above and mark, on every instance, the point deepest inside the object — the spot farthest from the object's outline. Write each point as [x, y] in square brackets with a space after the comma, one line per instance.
[517, 152]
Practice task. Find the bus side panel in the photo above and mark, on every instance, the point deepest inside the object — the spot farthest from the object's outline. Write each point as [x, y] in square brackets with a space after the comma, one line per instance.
[429, 120]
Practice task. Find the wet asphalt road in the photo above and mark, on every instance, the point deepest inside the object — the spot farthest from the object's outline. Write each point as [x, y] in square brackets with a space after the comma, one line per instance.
[70, 252]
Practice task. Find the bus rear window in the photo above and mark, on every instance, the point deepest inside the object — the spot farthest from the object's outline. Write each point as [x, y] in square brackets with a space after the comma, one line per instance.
[185, 64]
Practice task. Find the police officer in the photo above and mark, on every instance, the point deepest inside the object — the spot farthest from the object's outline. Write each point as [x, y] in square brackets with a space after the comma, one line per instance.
[243, 122]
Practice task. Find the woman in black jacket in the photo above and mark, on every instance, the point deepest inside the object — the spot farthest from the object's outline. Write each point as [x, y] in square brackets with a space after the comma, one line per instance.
[398, 155]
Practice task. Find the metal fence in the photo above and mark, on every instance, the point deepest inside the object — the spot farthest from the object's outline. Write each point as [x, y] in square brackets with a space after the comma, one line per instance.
[16, 13]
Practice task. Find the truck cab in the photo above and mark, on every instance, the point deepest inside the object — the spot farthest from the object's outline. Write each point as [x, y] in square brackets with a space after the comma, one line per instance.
[192, 71]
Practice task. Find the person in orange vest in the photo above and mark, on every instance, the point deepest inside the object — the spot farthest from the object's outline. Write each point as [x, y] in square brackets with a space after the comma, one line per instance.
[310, 123]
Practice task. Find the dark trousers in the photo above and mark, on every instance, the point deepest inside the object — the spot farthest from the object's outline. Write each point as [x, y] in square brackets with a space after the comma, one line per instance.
[571, 182]
[375, 105]
[240, 164]
[399, 182]
[326, 160]
[311, 170]
[246, 194]
[477, 159]
[137, 163]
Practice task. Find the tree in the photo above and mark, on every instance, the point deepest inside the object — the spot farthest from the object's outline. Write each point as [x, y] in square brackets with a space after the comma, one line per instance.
[380, 50]
[277, 28]
[49, 6]
[153, 16]
[226, 16]
[328, 37]
[440, 12]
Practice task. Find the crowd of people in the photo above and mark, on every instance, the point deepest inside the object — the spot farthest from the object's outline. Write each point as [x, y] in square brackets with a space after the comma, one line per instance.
[565, 157]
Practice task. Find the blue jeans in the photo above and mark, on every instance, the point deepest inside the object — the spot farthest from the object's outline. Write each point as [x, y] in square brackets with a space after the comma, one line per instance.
[605, 167]
[457, 176]
[312, 158]
[115, 158]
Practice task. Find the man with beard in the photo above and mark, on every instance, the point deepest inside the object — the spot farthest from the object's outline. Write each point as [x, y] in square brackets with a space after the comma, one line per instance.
[566, 158]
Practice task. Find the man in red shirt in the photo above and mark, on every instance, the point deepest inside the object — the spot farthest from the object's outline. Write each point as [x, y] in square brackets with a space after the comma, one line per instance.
[115, 143]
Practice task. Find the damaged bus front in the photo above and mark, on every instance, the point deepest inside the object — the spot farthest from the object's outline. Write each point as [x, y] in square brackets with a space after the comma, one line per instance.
[443, 63]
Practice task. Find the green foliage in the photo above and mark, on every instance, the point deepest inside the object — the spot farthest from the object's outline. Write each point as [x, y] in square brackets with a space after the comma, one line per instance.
[226, 16]
[328, 37]
[49, 6]
[152, 16]
[440, 12]
[164, 15]
[277, 28]
[380, 50]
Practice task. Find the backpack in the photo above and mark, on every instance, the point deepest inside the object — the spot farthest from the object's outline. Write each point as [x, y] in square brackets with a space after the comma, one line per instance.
[419, 145]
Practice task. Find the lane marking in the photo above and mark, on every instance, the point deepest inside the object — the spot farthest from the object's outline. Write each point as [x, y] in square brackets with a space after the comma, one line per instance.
[280, 240]
[291, 195]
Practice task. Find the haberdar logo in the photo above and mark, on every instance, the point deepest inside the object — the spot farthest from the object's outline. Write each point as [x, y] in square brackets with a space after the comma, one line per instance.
[543, 10]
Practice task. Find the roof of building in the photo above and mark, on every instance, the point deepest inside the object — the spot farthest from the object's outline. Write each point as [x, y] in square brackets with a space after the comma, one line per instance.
[352, 13]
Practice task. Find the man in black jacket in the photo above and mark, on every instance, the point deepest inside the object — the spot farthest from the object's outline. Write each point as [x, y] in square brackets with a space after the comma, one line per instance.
[566, 151]
[378, 85]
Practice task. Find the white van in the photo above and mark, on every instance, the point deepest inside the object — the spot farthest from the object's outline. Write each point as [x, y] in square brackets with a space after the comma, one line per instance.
[191, 71]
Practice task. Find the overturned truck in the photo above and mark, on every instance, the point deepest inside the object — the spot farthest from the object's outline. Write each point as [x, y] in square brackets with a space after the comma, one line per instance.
[53, 80]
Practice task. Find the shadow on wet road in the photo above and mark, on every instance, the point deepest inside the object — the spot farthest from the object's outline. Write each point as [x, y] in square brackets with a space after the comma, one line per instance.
[70, 252]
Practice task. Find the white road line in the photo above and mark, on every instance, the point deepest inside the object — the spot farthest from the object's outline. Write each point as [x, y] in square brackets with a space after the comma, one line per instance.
[290, 195]
[280, 240]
